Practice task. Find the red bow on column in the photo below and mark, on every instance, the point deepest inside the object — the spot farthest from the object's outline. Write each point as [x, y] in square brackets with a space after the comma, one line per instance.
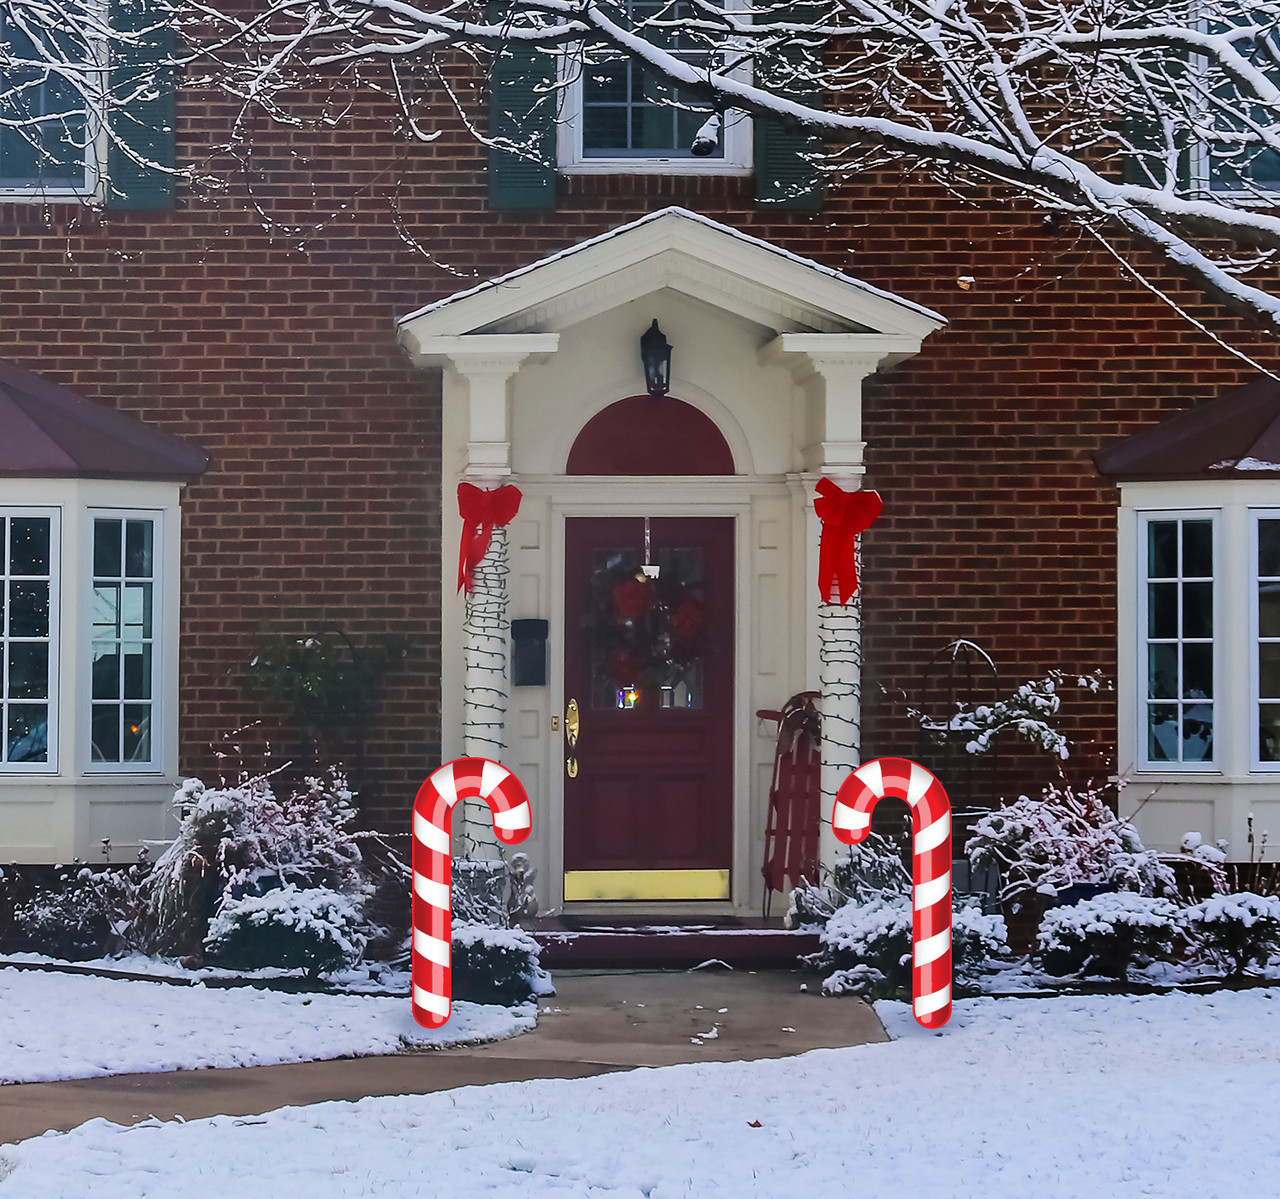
[844, 514]
[482, 512]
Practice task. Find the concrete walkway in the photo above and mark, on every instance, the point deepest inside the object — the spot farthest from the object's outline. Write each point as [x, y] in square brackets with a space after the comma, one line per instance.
[598, 1022]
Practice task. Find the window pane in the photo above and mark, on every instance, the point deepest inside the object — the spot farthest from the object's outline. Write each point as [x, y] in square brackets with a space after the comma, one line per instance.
[137, 549]
[29, 545]
[653, 128]
[1197, 609]
[27, 733]
[106, 732]
[1162, 671]
[137, 609]
[1269, 733]
[604, 129]
[1197, 549]
[1269, 670]
[28, 670]
[1197, 733]
[1162, 609]
[1162, 549]
[1269, 548]
[28, 609]
[137, 671]
[1197, 671]
[106, 610]
[137, 732]
[106, 548]
[605, 83]
[1162, 732]
[1269, 609]
[106, 670]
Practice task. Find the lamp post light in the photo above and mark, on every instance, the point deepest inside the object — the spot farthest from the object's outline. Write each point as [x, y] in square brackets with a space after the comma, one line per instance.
[655, 353]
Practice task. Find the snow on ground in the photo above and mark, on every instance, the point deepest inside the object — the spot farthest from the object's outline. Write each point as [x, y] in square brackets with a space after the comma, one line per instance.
[77, 1026]
[1172, 1096]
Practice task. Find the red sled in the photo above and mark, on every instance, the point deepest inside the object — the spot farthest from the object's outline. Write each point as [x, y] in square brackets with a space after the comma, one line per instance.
[791, 832]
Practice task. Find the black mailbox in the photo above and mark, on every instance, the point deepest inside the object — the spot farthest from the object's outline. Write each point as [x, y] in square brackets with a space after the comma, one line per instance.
[528, 653]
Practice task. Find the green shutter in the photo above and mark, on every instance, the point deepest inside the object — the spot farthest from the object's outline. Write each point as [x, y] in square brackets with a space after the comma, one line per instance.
[522, 110]
[786, 174]
[144, 122]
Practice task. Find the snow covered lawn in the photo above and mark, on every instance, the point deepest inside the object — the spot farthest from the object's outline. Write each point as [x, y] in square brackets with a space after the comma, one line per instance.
[1171, 1096]
[75, 1026]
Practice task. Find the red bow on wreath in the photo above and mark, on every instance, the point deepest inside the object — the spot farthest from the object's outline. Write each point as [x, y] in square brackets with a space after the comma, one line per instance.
[844, 514]
[482, 512]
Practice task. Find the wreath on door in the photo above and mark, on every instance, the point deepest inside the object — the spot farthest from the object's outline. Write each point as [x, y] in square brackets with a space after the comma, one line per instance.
[647, 629]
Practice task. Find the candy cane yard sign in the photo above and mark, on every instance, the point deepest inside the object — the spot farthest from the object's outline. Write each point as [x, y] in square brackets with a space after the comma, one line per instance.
[930, 869]
[463, 778]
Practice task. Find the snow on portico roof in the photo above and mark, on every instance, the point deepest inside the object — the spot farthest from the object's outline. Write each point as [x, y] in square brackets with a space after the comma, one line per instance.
[1236, 434]
[831, 300]
[49, 432]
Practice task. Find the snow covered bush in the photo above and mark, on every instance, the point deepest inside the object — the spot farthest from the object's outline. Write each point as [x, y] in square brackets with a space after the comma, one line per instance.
[86, 914]
[496, 965]
[1064, 839]
[1108, 934]
[866, 947]
[1235, 930]
[872, 870]
[246, 839]
[316, 929]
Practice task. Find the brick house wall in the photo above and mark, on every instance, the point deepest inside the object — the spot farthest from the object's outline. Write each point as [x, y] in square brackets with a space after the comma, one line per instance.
[274, 348]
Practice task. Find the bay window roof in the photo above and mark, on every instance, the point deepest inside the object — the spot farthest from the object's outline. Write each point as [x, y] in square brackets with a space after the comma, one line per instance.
[1235, 435]
[50, 432]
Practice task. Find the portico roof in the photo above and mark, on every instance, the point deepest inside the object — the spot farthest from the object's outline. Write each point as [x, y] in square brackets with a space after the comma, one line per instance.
[672, 248]
[49, 432]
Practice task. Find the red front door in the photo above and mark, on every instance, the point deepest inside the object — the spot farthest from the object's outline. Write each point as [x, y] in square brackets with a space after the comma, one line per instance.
[648, 810]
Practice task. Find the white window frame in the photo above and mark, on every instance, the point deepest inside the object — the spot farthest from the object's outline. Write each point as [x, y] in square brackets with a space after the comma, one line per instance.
[1140, 699]
[1256, 764]
[92, 190]
[54, 516]
[159, 601]
[737, 134]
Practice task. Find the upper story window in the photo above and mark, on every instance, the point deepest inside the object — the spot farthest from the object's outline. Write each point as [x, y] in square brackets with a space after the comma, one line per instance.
[619, 118]
[1234, 161]
[47, 133]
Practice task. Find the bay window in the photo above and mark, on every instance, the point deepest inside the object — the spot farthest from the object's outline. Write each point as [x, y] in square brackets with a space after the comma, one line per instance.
[30, 550]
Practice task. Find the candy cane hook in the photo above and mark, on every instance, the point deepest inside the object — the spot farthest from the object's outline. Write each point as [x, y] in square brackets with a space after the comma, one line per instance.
[463, 778]
[930, 869]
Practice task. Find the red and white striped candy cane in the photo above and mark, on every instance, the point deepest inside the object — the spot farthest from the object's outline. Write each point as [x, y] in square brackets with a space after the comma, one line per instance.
[930, 869]
[463, 778]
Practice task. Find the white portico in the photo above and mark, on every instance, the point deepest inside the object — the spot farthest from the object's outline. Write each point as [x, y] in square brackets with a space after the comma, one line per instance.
[769, 354]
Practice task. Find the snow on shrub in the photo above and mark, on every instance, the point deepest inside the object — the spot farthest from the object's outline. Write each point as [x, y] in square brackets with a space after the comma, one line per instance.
[1064, 839]
[86, 914]
[316, 929]
[495, 965]
[245, 837]
[866, 947]
[1108, 934]
[1236, 930]
[872, 869]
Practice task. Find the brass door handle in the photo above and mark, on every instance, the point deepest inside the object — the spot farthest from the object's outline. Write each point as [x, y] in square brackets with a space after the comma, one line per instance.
[571, 723]
[571, 767]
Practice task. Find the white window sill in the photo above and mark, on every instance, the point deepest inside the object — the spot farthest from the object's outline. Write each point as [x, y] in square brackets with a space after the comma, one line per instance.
[654, 166]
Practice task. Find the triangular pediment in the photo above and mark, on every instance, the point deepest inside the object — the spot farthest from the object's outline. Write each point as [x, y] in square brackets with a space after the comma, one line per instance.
[678, 250]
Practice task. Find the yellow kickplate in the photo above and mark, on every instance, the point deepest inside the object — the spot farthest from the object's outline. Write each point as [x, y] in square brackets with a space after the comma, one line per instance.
[646, 884]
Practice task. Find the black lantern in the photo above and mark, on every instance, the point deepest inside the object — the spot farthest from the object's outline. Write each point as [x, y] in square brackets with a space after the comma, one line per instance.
[655, 353]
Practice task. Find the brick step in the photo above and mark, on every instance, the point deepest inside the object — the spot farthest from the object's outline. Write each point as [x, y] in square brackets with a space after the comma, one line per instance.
[675, 947]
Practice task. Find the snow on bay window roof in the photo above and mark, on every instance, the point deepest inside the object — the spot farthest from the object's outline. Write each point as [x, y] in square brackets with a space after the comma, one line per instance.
[1236, 434]
[50, 432]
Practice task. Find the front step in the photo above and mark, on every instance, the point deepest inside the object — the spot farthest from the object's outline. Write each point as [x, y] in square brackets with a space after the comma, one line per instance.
[584, 942]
